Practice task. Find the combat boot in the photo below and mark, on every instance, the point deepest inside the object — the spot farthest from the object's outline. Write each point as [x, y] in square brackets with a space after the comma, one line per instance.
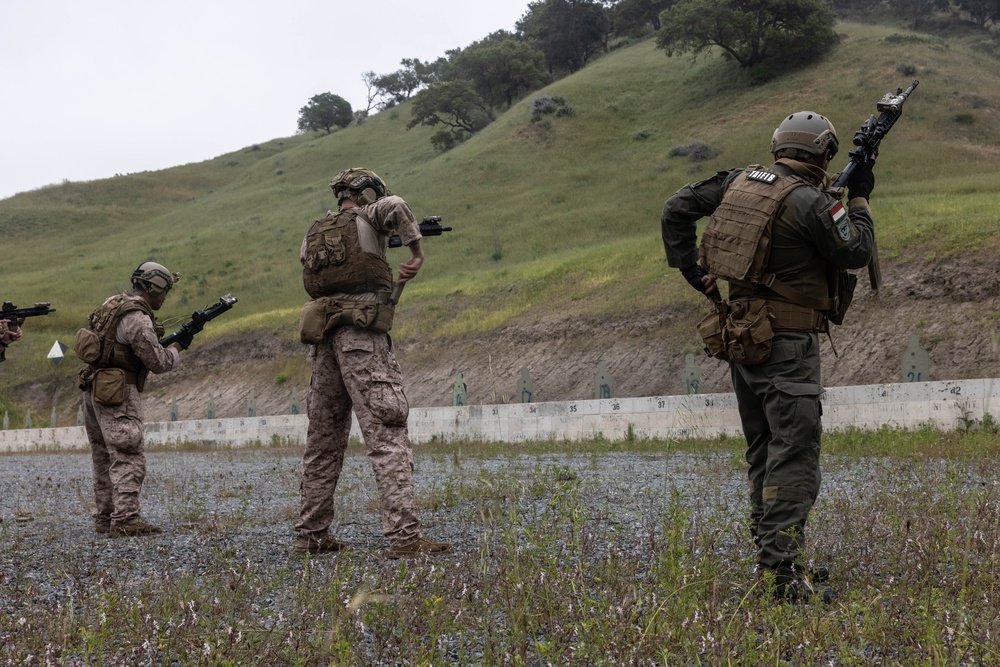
[322, 545]
[135, 529]
[102, 525]
[418, 547]
[794, 586]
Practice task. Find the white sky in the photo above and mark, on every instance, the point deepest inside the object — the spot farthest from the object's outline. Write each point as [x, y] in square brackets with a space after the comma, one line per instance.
[91, 88]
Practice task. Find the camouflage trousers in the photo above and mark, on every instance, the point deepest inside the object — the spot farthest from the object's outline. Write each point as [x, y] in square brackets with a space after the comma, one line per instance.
[356, 369]
[779, 405]
[116, 447]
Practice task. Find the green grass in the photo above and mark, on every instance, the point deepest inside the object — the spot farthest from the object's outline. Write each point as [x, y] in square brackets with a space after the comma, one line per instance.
[560, 214]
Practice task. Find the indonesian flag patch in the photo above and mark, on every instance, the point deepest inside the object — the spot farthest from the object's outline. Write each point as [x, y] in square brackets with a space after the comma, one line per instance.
[841, 221]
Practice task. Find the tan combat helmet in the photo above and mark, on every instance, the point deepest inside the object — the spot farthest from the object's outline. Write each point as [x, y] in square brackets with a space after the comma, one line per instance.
[153, 278]
[362, 186]
[807, 131]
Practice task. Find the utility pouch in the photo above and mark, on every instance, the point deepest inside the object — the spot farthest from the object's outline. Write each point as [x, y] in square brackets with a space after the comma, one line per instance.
[846, 282]
[87, 345]
[748, 332]
[313, 323]
[109, 386]
[712, 331]
[374, 316]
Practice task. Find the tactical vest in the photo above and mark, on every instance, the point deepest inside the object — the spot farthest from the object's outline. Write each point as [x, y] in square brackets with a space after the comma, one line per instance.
[335, 262]
[736, 243]
[97, 345]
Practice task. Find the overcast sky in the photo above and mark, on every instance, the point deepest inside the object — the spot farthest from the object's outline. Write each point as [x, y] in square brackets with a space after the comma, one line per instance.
[94, 88]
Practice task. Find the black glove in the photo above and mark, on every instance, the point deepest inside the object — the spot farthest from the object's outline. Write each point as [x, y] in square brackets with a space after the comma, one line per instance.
[184, 338]
[693, 274]
[861, 182]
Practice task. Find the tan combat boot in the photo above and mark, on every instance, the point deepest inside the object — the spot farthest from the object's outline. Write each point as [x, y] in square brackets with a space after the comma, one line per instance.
[135, 529]
[418, 547]
[322, 545]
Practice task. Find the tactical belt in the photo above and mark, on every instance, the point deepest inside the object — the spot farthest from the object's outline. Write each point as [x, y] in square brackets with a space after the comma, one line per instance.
[790, 317]
[131, 378]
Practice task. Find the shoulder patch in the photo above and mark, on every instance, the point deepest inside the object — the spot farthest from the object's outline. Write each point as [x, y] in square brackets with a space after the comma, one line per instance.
[762, 176]
[841, 221]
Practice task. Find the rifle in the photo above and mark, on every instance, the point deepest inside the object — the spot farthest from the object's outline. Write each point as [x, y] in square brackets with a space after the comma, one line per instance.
[199, 317]
[867, 140]
[15, 316]
[429, 226]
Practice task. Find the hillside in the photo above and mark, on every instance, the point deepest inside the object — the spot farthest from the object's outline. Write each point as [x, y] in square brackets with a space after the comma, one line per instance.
[555, 263]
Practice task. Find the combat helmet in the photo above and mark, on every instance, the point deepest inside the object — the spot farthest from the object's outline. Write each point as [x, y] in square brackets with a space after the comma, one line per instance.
[807, 131]
[153, 278]
[363, 186]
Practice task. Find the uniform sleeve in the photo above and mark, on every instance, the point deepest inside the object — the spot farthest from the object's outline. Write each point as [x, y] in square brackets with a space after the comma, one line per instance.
[679, 220]
[392, 215]
[842, 234]
[138, 331]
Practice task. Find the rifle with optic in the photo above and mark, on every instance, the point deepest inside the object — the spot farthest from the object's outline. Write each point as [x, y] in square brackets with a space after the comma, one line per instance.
[867, 141]
[199, 318]
[15, 316]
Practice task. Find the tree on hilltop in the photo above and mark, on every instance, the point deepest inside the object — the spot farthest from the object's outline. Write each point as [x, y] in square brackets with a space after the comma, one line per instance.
[568, 32]
[454, 105]
[325, 112]
[632, 16]
[749, 31]
[981, 11]
[500, 68]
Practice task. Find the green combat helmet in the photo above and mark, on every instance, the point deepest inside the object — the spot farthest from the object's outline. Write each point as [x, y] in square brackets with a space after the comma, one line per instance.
[806, 131]
[153, 278]
[363, 186]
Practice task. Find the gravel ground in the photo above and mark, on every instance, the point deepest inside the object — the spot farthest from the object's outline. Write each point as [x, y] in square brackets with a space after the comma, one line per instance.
[228, 510]
[246, 502]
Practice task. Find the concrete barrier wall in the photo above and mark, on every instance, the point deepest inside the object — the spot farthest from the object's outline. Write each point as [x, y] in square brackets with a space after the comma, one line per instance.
[946, 405]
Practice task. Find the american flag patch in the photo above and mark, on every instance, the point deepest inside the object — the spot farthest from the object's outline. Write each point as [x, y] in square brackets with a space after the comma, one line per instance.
[762, 176]
[837, 212]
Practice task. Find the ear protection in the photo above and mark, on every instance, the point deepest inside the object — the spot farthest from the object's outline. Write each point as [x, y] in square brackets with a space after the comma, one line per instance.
[366, 196]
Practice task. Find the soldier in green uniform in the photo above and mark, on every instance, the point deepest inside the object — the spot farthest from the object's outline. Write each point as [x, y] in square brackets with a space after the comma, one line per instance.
[783, 244]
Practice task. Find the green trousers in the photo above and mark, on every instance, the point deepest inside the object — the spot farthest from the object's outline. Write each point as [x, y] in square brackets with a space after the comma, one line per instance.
[779, 403]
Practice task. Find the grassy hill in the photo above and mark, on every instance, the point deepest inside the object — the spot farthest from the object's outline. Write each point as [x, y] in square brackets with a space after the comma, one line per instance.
[560, 216]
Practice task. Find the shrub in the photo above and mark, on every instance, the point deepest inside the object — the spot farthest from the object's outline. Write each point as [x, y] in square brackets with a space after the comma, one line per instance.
[545, 105]
[697, 151]
[906, 69]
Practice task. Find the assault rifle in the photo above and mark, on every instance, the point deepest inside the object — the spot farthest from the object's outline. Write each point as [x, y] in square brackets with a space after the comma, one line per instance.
[199, 317]
[15, 316]
[429, 226]
[867, 141]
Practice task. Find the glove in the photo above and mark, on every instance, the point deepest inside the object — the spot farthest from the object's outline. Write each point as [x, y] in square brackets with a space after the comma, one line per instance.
[184, 338]
[861, 182]
[693, 274]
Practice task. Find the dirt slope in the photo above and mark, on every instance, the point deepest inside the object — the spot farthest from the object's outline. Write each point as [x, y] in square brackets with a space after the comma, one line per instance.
[953, 305]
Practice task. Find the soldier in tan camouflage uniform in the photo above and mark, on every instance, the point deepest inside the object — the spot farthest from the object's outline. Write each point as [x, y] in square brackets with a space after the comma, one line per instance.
[122, 346]
[7, 336]
[353, 367]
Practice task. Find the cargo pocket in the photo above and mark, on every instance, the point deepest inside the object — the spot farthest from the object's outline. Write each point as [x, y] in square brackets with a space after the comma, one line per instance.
[799, 412]
[388, 402]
